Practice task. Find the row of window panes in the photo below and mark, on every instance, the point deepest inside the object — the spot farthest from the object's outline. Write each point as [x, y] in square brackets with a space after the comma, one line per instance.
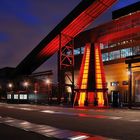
[17, 96]
[104, 46]
[115, 54]
[121, 53]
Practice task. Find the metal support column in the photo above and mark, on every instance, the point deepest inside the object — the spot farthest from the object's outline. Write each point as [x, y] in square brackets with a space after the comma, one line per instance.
[65, 67]
[130, 85]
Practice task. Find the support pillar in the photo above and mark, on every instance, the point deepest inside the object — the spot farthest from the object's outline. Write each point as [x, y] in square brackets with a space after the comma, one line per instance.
[92, 84]
[65, 67]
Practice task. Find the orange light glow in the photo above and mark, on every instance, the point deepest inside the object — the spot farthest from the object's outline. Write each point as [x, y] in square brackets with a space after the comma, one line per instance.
[99, 76]
[82, 98]
[84, 77]
[83, 86]
[100, 99]
[90, 98]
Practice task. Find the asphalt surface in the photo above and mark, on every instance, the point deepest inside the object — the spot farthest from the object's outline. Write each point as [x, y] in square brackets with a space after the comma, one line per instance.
[96, 123]
[12, 133]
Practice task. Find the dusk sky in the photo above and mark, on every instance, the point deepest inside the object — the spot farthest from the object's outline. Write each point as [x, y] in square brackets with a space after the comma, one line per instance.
[24, 23]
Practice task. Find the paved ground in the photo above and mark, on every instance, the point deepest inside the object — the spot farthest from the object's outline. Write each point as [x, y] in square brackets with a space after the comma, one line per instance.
[12, 133]
[68, 123]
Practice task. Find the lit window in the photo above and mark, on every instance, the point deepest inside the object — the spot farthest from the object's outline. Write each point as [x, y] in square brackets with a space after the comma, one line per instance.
[16, 96]
[25, 96]
[105, 57]
[77, 51]
[126, 52]
[8, 96]
[82, 50]
[124, 82]
[114, 55]
[21, 96]
[136, 50]
[114, 83]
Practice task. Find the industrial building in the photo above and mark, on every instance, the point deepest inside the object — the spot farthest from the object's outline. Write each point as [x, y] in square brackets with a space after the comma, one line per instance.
[119, 39]
[109, 70]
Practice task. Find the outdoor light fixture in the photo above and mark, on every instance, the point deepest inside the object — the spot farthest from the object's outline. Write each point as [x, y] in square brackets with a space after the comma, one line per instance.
[128, 72]
[35, 91]
[26, 84]
[47, 81]
[10, 85]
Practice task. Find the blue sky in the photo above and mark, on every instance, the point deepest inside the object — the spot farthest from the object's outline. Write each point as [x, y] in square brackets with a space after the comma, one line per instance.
[24, 23]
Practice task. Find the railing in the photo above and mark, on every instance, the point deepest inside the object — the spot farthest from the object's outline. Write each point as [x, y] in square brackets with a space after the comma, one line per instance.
[127, 22]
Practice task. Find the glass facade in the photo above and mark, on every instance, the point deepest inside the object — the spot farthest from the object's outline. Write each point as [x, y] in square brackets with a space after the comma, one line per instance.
[114, 55]
[121, 53]
[115, 44]
[126, 52]
[105, 57]
[77, 51]
[82, 50]
[118, 54]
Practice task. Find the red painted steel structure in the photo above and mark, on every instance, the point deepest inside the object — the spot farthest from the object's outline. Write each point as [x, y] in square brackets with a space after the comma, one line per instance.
[96, 8]
[83, 76]
[125, 26]
[65, 67]
[101, 89]
[97, 95]
[85, 13]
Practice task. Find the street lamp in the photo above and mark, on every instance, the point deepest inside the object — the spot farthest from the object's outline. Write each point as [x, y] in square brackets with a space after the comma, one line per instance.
[10, 86]
[26, 84]
[47, 81]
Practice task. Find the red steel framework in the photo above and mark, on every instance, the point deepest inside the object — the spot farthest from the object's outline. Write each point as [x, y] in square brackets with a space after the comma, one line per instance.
[83, 15]
[77, 25]
[97, 95]
[65, 67]
[120, 28]
[83, 77]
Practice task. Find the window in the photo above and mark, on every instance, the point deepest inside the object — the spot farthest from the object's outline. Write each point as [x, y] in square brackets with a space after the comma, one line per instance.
[103, 46]
[136, 50]
[82, 50]
[8, 96]
[112, 45]
[105, 57]
[114, 83]
[23, 96]
[114, 55]
[124, 82]
[126, 52]
[16, 96]
[77, 51]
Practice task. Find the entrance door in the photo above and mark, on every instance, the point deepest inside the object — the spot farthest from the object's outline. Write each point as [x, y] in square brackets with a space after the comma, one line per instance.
[115, 98]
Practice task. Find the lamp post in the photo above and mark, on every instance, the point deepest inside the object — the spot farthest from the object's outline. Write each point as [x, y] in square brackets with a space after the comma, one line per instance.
[10, 86]
[26, 84]
[47, 81]
[35, 91]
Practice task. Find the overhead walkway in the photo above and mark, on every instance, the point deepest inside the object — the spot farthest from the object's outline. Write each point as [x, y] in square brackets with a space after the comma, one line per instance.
[84, 14]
